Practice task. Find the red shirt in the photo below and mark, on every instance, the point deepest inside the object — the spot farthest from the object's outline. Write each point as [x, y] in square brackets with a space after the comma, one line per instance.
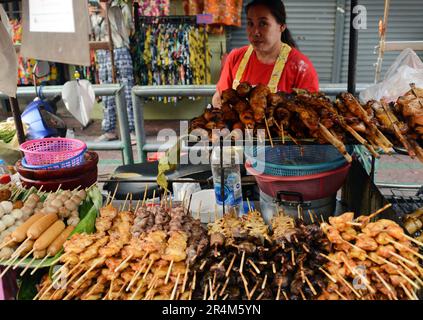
[298, 73]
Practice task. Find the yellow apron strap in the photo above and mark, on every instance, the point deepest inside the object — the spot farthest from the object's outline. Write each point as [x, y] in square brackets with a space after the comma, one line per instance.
[277, 70]
[279, 67]
[242, 66]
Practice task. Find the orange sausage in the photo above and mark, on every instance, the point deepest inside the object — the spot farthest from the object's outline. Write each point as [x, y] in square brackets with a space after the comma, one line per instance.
[19, 234]
[49, 235]
[57, 244]
[37, 229]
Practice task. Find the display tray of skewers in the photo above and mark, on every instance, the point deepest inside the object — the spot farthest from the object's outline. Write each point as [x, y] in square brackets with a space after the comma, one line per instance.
[34, 224]
[161, 252]
[303, 116]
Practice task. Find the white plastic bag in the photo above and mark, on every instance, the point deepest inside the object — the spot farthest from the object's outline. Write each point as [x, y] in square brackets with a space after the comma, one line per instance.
[407, 68]
[79, 98]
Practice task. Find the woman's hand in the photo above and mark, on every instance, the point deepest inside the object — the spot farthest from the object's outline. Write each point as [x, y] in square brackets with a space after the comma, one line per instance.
[217, 100]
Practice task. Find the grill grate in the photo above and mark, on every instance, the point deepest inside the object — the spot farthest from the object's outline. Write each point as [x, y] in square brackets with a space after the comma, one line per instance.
[403, 203]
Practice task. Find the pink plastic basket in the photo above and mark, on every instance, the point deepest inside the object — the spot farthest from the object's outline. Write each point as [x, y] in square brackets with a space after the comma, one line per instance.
[51, 150]
[312, 187]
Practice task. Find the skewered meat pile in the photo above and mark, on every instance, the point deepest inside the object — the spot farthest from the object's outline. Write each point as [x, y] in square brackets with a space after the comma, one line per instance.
[123, 260]
[172, 219]
[236, 267]
[296, 254]
[372, 260]
[314, 115]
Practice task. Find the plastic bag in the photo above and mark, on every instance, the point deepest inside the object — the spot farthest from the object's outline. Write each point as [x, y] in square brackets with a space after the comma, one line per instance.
[79, 98]
[10, 152]
[407, 68]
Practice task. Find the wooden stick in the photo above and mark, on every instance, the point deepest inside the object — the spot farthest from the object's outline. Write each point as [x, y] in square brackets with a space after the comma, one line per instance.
[230, 266]
[124, 203]
[268, 131]
[211, 289]
[349, 285]
[23, 258]
[310, 285]
[95, 264]
[283, 133]
[249, 206]
[340, 294]
[254, 266]
[148, 269]
[396, 243]
[264, 282]
[408, 279]
[278, 295]
[203, 265]
[411, 272]
[292, 257]
[245, 285]
[114, 193]
[407, 292]
[384, 282]
[20, 248]
[273, 268]
[5, 244]
[311, 216]
[327, 275]
[302, 294]
[168, 272]
[136, 275]
[411, 263]
[224, 287]
[145, 195]
[194, 280]
[241, 266]
[205, 292]
[413, 240]
[38, 265]
[123, 262]
[185, 280]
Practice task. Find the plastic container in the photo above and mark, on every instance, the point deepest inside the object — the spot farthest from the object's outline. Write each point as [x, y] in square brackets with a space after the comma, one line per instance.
[203, 204]
[70, 163]
[312, 187]
[52, 150]
[292, 160]
[232, 194]
[318, 208]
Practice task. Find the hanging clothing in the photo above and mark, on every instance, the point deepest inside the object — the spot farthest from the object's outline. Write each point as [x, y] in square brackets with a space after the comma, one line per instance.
[124, 76]
[298, 72]
[171, 54]
[154, 7]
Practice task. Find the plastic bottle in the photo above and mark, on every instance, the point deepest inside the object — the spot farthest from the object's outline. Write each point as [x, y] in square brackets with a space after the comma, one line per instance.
[232, 178]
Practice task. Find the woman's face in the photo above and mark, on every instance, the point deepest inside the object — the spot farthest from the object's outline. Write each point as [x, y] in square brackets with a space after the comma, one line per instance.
[263, 31]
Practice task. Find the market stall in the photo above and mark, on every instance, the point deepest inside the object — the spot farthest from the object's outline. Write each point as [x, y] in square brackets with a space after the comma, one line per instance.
[139, 240]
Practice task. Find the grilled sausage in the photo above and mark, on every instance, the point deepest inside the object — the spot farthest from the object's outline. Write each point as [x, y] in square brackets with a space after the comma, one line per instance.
[49, 235]
[35, 231]
[57, 244]
[19, 234]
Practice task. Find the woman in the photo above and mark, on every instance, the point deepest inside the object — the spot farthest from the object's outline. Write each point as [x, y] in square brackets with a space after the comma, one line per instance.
[271, 58]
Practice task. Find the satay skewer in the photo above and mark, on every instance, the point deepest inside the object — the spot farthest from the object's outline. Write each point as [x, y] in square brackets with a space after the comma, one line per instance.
[416, 286]
[268, 131]
[413, 240]
[241, 266]
[222, 291]
[211, 289]
[264, 282]
[327, 274]
[384, 282]
[407, 292]
[230, 266]
[419, 280]
[396, 243]
[168, 272]
[205, 292]
[184, 283]
[5, 244]
[245, 282]
[254, 266]
[124, 262]
[310, 285]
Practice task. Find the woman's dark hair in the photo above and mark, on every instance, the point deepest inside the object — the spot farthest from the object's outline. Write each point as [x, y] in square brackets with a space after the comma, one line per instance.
[277, 8]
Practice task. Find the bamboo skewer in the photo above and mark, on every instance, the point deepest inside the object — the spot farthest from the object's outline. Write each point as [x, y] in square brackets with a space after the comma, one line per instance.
[384, 282]
[413, 240]
[205, 292]
[168, 272]
[184, 283]
[222, 291]
[310, 285]
[5, 244]
[411, 272]
[268, 131]
[396, 243]
[245, 285]
[327, 275]
[254, 266]
[408, 280]
[20, 248]
[407, 292]
[340, 294]
[211, 289]
[123, 262]
[95, 264]
[264, 282]
[23, 258]
[39, 264]
[241, 266]
[349, 285]
[194, 279]
[278, 295]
